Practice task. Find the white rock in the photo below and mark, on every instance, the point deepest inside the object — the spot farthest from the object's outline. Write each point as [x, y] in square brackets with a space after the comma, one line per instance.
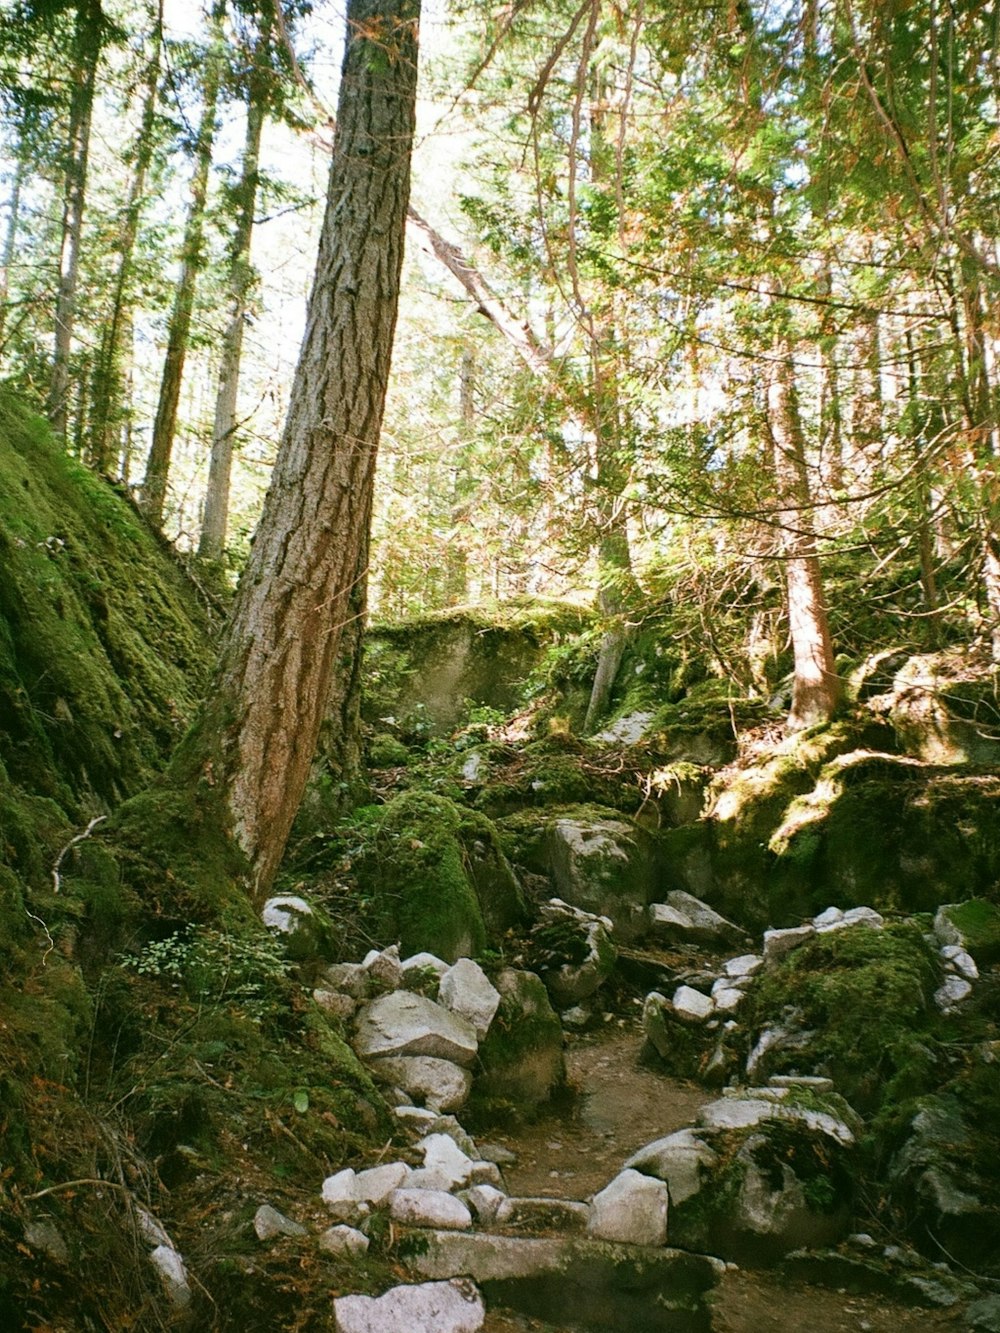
[384, 967]
[831, 917]
[268, 1223]
[727, 998]
[401, 1024]
[667, 920]
[348, 978]
[779, 942]
[677, 1160]
[170, 1266]
[151, 1229]
[745, 1112]
[42, 1234]
[631, 1209]
[444, 1157]
[962, 961]
[431, 1307]
[339, 1188]
[483, 1202]
[429, 1208]
[743, 966]
[628, 730]
[418, 1118]
[467, 991]
[691, 1006]
[283, 914]
[814, 1082]
[473, 766]
[377, 1183]
[440, 1083]
[705, 921]
[424, 962]
[864, 916]
[336, 1003]
[486, 1173]
[954, 990]
[343, 1240]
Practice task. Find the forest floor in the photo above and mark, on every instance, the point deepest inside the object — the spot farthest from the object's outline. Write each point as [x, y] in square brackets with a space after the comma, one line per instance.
[620, 1106]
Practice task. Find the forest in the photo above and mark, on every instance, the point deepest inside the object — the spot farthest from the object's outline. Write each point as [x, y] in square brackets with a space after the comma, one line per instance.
[499, 617]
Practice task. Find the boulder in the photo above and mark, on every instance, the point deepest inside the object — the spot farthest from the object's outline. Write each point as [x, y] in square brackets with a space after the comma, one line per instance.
[440, 1084]
[402, 1024]
[297, 924]
[384, 968]
[483, 1201]
[745, 966]
[777, 943]
[446, 1161]
[691, 1006]
[746, 1112]
[343, 1240]
[466, 990]
[682, 1041]
[572, 950]
[429, 1208]
[173, 1274]
[431, 1307]
[335, 1004]
[603, 866]
[347, 978]
[703, 924]
[679, 1159]
[268, 1223]
[578, 1280]
[521, 1057]
[632, 1209]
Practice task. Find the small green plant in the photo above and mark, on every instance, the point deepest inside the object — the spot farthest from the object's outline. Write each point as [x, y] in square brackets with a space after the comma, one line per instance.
[213, 967]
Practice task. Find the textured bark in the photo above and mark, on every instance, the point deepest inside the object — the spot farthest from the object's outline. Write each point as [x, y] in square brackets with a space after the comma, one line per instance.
[298, 597]
[154, 488]
[816, 687]
[108, 388]
[214, 522]
[87, 40]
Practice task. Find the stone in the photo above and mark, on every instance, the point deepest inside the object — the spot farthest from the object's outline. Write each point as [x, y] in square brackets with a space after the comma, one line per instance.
[570, 983]
[777, 943]
[173, 1274]
[543, 1214]
[746, 965]
[952, 992]
[442, 1085]
[404, 1024]
[771, 1047]
[864, 916]
[418, 1118]
[604, 866]
[336, 1004]
[151, 1229]
[577, 1019]
[376, 1183]
[770, 1214]
[44, 1235]
[631, 1210]
[706, 925]
[666, 924]
[962, 961]
[295, 922]
[483, 1201]
[831, 917]
[745, 1112]
[445, 1158]
[343, 1240]
[679, 1159]
[384, 968]
[268, 1223]
[422, 963]
[429, 1208]
[983, 1315]
[814, 1082]
[578, 1280]
[521, 1058]
[691, 1006]
[338, 1189]
[627, 730]
[430, 1307]
[467, 991]
[496, 1152]
[486, 1173]
[347, 978]
[727, 998]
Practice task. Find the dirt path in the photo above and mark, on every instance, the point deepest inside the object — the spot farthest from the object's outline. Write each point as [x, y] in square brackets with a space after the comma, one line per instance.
[576, 1150]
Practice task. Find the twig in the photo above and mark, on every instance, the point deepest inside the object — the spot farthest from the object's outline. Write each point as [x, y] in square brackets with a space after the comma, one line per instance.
[56, 881]
[74, 1184]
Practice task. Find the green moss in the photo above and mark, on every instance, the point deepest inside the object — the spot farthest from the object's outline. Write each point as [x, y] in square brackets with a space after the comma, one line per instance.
[978, 922]
[866, 996]
[385, 751]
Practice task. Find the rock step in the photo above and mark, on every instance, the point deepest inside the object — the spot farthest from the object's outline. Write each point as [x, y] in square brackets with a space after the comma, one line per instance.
[573, 1279]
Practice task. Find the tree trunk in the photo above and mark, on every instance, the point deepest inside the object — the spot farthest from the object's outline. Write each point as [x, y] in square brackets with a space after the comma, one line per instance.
[816, 687]
[108, 390]
[213, 529]
[13, 224]
[87, 40]
[298, 598]
[154, 488]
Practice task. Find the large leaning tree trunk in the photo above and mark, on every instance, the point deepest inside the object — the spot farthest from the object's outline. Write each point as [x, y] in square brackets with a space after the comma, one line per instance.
[248, 757]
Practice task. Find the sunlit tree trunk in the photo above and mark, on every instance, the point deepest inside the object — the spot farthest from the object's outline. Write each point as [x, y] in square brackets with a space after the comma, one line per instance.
[154, 488]
[302, 589]
[108, 389]
[87, 40]
[241, 276]
[816, 688]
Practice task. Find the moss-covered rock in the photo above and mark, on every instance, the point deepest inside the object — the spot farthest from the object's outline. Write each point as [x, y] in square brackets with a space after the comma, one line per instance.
[521, 1058]
[438, 875]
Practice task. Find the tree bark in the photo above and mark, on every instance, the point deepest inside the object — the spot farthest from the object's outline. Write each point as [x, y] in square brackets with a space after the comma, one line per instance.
[154, 488]
[298, 597]
[88, 37]
[108, 390]
[816, 687]
[216, 516]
